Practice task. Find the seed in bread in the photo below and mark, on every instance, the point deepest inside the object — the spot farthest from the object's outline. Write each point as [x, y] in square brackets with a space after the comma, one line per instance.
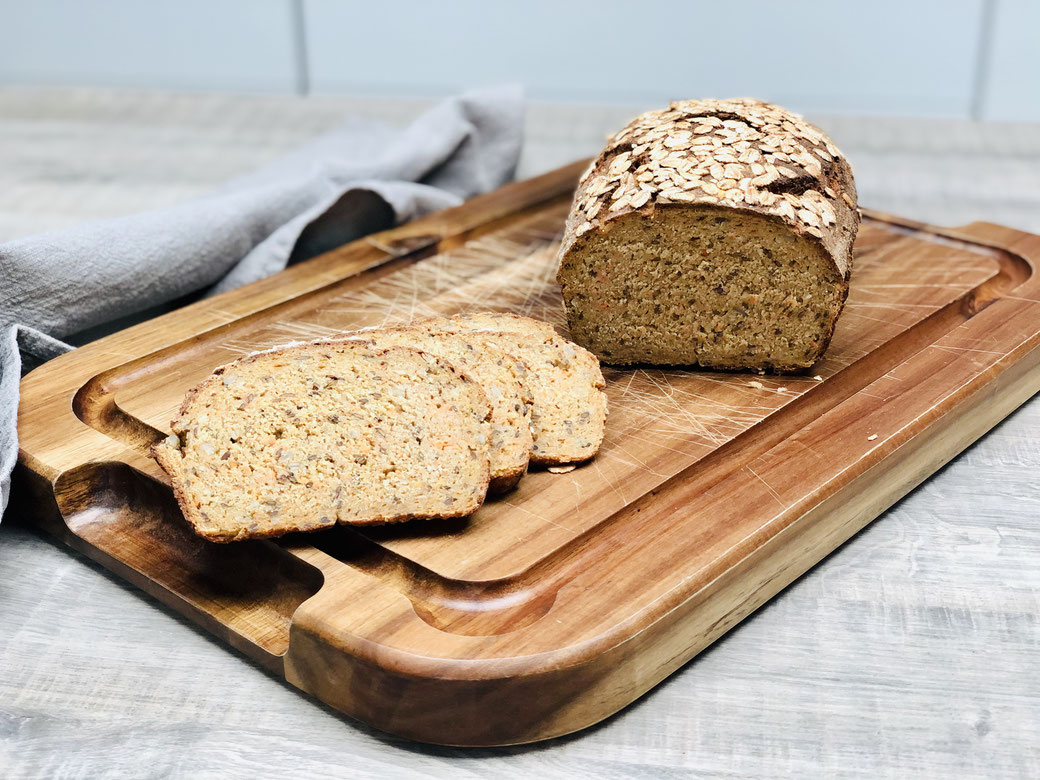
[716, 233]
[303, 437]
[568, 418]
[500, 376]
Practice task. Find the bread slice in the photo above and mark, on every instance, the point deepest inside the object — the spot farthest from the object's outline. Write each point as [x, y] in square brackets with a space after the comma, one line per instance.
[302, 437]
[501, 377]
[569, 415]
[716, 233]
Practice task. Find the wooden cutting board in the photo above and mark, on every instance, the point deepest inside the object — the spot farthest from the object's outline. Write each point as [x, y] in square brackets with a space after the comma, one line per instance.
[560, 603]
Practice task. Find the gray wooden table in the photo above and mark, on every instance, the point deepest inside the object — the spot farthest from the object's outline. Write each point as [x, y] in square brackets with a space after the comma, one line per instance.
[912, 651]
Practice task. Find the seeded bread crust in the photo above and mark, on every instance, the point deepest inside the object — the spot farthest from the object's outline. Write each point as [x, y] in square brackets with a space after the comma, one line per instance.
[741, 155]
[570, 408]
[177, 455]
[500, 375]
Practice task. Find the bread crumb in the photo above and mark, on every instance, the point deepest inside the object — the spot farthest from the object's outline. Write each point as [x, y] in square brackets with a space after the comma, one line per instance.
[781, 389]
[756, 385]
[818, 378]
[561, 469]
[872, 437]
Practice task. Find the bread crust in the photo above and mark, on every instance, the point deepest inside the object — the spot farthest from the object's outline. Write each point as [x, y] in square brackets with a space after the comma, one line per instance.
[710, 152]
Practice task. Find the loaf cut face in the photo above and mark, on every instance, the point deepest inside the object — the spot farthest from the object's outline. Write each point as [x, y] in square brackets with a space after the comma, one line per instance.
[304, 437]
[568, 417]
[501, 376]
[716, 233]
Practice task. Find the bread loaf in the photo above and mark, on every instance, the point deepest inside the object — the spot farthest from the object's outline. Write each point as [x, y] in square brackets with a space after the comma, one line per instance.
[303, 437]
[715, 233]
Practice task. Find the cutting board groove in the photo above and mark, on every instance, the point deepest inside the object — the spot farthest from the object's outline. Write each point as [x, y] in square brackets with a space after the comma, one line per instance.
[559, 603]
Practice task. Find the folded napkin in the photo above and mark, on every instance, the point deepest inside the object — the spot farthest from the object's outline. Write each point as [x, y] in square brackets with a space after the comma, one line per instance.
[358, 179]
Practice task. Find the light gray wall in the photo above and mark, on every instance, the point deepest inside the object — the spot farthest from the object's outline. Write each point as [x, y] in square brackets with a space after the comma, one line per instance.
[909, 57]
[1011, 76]
[795, 52]
[240, 45]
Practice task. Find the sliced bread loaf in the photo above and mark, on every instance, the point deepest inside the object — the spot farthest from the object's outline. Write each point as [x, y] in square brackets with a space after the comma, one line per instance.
[716, 233]
[568, 418]
[499, 375]
[303, 437]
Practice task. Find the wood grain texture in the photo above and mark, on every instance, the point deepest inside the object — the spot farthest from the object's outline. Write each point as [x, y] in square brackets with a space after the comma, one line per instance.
[555, 606]
[911, 651]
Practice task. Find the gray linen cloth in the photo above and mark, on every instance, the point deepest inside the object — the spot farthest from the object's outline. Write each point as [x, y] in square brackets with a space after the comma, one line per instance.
[360, 178]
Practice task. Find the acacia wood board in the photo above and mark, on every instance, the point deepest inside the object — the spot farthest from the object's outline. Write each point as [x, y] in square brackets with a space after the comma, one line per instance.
[558, 604]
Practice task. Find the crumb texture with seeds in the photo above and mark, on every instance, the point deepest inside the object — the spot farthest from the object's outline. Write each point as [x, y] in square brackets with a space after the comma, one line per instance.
[305, 437]
[716, 233]
[501, 375]
[569, 412]
[381, 425]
